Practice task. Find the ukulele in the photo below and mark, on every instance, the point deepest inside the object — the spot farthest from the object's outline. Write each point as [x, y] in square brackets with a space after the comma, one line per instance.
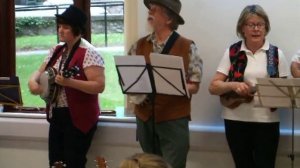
[59, 164]
[232, 100]
[101, 162]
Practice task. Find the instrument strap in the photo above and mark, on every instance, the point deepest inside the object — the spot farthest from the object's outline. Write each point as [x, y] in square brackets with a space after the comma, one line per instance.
[69, 58]
[62, 61]
[169, 43]
[55, 55]
[66, 59]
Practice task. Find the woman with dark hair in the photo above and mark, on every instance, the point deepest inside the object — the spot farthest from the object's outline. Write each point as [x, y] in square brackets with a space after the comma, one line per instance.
[78, 72]
[252, 132]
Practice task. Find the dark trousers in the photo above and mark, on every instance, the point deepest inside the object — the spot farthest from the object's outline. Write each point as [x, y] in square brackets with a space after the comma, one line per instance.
[252, 144]
[67, 143]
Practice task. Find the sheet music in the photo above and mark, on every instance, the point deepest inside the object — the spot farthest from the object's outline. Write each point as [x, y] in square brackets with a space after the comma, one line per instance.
[134, 77]
[277, 92]
[169, 74]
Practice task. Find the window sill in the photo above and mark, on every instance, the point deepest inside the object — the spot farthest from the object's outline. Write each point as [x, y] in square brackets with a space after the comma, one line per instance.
[118, 117]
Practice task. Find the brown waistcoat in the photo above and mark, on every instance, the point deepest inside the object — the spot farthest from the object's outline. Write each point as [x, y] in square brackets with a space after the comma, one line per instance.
[165, 107]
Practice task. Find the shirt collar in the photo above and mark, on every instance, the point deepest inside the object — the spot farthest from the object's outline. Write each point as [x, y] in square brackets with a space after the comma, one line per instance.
[152, 38]
[265, 47]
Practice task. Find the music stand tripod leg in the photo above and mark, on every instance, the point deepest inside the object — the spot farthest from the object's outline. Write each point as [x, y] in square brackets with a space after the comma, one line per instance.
[152, 97]
[292, 155]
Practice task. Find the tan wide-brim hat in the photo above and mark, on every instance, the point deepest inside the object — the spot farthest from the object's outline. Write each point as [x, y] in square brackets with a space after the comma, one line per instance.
[173, 5]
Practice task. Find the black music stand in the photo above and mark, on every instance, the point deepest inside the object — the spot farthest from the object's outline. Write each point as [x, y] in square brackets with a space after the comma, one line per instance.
[133, 75]
[280, 92]
[168, 75]
[165, 75]
[10, 93]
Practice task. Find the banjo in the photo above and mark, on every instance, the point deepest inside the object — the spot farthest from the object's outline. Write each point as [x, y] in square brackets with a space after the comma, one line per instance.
[50, 89]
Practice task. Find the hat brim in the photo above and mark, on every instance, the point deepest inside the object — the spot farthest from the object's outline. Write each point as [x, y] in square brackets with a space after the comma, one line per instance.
[147, 4]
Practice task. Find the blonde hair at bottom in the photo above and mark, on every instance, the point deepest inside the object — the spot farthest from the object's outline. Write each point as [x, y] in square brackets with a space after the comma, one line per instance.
[144, 160]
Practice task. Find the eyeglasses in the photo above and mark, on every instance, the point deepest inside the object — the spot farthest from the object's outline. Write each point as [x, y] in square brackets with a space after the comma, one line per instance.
[258, 25]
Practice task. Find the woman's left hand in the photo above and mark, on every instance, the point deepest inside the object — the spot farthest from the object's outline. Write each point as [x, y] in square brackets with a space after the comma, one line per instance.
[94, 84]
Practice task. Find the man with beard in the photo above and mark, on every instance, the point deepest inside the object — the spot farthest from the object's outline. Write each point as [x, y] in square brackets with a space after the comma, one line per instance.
[163, 120]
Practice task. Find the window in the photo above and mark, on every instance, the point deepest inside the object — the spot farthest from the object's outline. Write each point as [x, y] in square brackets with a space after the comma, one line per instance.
[36, 34]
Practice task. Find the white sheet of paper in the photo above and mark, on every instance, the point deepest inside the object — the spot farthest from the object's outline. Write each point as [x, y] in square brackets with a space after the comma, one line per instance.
[277, 92]
[130, 68]
[170, 68]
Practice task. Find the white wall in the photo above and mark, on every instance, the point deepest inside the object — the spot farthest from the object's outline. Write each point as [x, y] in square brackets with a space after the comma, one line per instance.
[212, 25]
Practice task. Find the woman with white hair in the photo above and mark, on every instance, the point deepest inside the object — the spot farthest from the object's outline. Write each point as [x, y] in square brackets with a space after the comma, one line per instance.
[252, 132]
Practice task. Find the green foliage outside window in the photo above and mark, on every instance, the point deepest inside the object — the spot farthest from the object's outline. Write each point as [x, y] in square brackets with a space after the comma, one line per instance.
[24, 23]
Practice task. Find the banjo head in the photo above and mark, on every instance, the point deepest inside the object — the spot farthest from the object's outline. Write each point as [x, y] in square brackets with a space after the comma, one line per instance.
[47, 82]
